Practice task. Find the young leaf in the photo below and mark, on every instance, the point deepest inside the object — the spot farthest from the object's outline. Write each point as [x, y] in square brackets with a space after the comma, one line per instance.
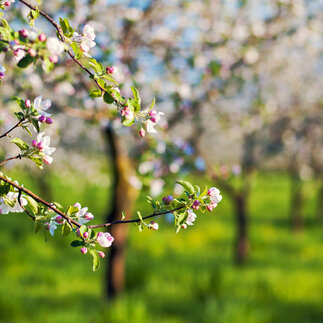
[21, 144]
[187, 186]
[24, 62]
[77, 243]
[32, 204]
[66, 229]
[136, 95]
[96, 259]
[108, 98]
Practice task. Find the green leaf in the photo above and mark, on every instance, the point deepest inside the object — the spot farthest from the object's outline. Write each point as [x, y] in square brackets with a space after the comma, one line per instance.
[4, 189]
[152, 104]
[204, 192]
[96, 259]
[136, 95]
[32, 204]
[66, 229]
[35, 124]
[197, 190]
[123, 216]
[116, 95]
[21, 144]
[134, 104]
[108, 98]
[95, 93]
[63, 25]
[72, 210]
[139, 215]
[77, 243]
[24, 62]
[38, 226]
[109, 78]
[187, 186]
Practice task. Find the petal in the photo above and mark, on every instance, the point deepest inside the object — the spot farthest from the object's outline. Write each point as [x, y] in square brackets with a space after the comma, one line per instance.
[37, 102]
[46, 104]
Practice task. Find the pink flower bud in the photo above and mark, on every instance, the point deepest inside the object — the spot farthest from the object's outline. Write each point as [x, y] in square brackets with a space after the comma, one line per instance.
[78, 205]
[28, 103]
[23, 33]
[85, 235]
[42, 118]
[196, 205]
[34, 143]
[40, 146]
[184, 226]
[42, 37]
[49, 121]
[16, 41]
[32, 52]
[142, 133]
[111, 69]
[101, 254]
[84, 250]
[88, 216]
[2, 75]
[59, 219]
[209, 207]
[16, 52]
[153, 116]
[7, 4]
[154, 225]
[53, 59]
[48, 160]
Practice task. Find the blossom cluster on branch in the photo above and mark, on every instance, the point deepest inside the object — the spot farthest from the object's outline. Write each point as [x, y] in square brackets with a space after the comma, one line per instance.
[30, 46]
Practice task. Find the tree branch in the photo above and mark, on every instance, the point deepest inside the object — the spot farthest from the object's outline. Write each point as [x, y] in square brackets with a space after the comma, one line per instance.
[15, 126]
[11, 158]
[20, 203]
[135, 220]
[66, 217]
[69, 52]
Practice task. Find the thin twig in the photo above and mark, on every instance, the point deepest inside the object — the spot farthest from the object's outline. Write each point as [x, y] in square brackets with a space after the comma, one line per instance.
[20, 203]
[135, 220]
[15, 126]
[11, 158]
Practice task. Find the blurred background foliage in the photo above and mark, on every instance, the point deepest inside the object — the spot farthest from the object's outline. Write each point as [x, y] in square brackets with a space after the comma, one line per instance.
[240, 83]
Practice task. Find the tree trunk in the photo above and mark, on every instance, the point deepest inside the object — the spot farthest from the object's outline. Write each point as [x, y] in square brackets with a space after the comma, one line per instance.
[320, 202]
[296, 200]
[123, 199]
[241, 244]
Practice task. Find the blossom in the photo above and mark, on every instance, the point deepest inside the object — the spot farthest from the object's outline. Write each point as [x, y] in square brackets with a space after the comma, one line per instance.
[196, 205]
[2, 71]
[43, 146]
[214, 195]
[55, 46]
[87, 40]
[154, 225]
[19, 53]
[142, 132]
[10, 203]
[8, 3]
[42, 37]
[42, 106]
[111, 69]
[84, 250]
[83, 216]
[153, 119]
[105, 239]
[191, 217]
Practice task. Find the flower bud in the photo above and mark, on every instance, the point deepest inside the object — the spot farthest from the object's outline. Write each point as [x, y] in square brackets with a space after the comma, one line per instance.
[28, 103]
[49, 121]
[7, 4]
[142, 132]
[42, 118]
[196, 205]
[111, 69]
[78, 205]
[40, 146]
[184, 226]
[153, 116]
[42, 37]
[23, 33]
[2, 75]
[88, 216]
[48, 160]
[32, 52]
[85, 235]
[84, 250]
[169, 199]
[16, 52]
[34, 143]
[101, 254]
[209, 207]
[59, 219]
[53, 59]
[154, 225]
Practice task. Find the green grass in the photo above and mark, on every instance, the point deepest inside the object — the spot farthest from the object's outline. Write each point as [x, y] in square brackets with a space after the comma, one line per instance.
[188, 277]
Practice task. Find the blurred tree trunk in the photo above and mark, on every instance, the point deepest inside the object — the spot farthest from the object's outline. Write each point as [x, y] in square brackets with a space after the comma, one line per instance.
[241, 243]
[320, 202]
[296, 202]
[123, 199]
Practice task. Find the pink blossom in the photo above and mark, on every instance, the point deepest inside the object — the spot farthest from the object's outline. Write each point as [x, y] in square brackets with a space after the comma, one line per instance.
[42, 37]
[101, 254]
[32, 52]
[142, 132]
[154, 225]
[214, 195]
[84, 250]
[105, 239]
[28, 103]
[191, 217]
[85, 235]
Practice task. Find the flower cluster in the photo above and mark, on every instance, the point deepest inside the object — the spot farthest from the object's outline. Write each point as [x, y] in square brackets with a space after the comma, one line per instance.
[86, 40]
[82, 216]
[42, 146]
[152, 118]
[10, 204]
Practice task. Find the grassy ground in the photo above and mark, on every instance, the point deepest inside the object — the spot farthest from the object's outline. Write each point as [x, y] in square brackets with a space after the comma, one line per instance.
[188, 277]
